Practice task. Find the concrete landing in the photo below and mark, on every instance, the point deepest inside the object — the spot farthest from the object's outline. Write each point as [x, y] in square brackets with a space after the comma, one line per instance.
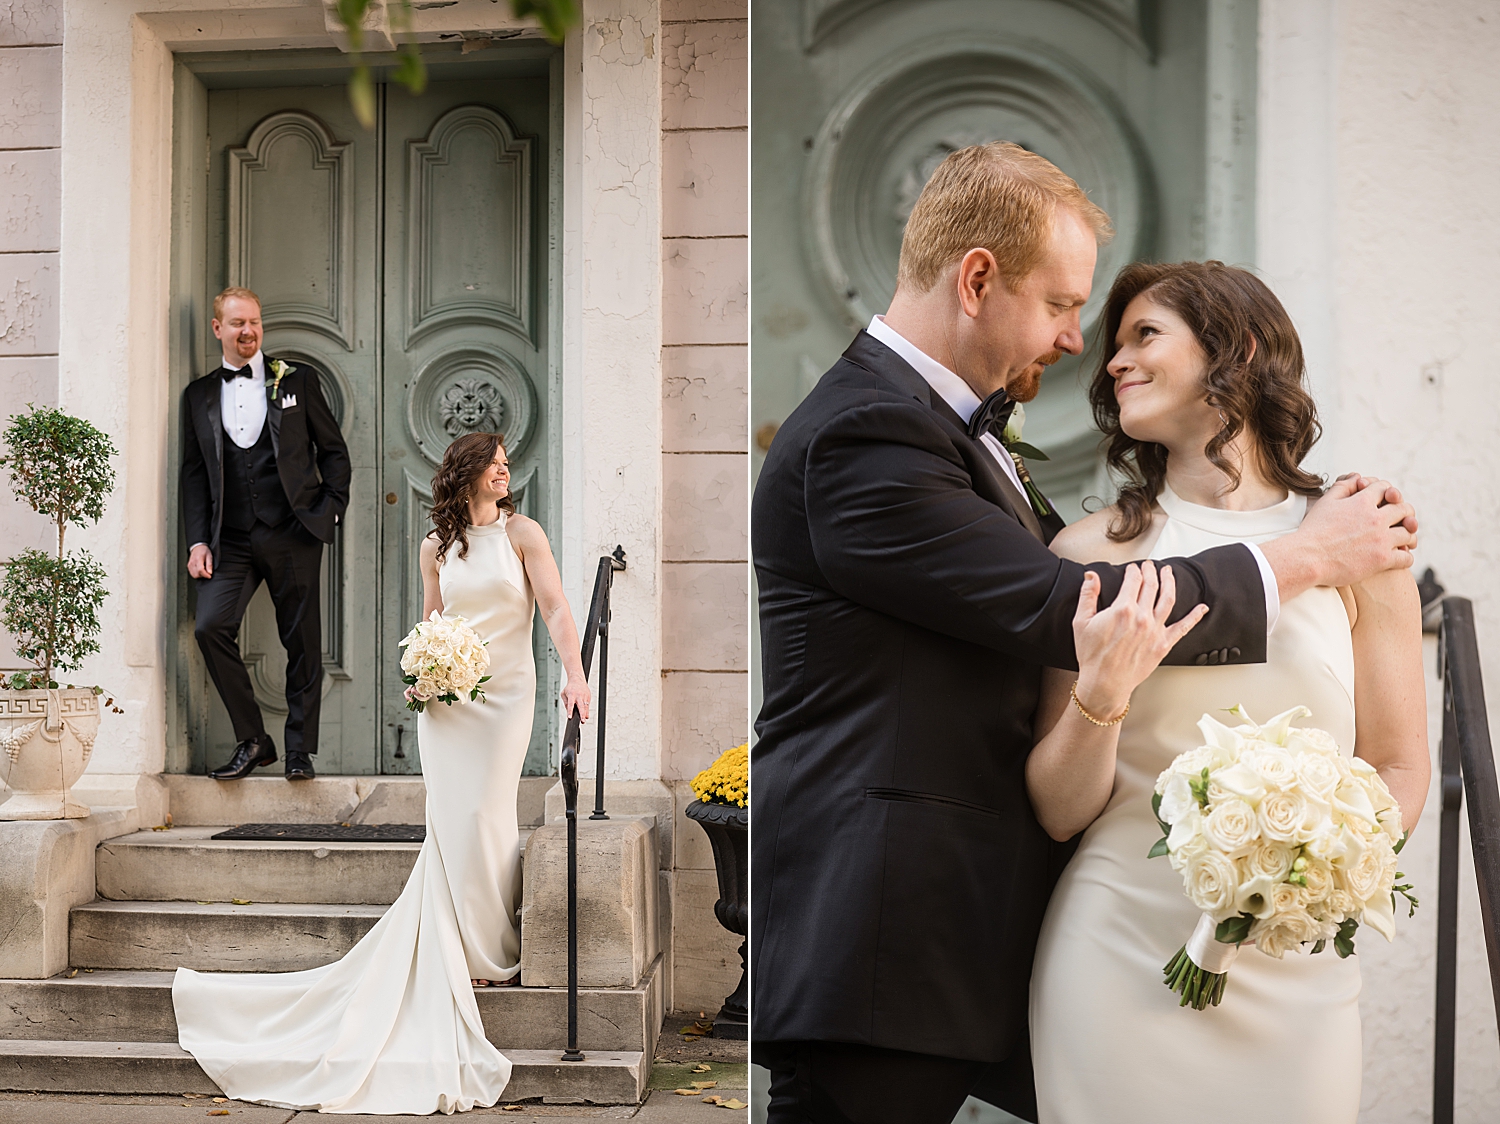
[185, 864]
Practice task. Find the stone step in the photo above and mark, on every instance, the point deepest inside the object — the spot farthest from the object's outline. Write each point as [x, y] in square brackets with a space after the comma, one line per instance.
[136, 1006]
[604, 1077]
[261, 937]
[185, 864]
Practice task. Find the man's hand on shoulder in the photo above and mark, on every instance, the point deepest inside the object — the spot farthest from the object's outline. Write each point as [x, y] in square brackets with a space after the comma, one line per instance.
[1358, 528]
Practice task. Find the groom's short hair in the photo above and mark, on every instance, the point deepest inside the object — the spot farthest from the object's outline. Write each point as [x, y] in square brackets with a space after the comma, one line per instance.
[998, 197]
[232, 291]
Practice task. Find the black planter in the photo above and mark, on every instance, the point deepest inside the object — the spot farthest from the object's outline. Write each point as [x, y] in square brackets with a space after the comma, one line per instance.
[728, 829]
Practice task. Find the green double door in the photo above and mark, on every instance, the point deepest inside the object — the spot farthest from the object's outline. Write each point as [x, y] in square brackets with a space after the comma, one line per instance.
[406, 264]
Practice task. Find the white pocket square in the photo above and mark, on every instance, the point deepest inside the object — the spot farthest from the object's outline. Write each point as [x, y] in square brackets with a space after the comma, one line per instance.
[288, 401]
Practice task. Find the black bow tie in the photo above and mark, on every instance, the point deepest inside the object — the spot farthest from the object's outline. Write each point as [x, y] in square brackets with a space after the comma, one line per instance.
[992, 416]
[245, 372]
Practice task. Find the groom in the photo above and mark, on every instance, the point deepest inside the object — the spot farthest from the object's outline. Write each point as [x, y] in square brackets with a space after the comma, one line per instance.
[907, 604]
[265, 478]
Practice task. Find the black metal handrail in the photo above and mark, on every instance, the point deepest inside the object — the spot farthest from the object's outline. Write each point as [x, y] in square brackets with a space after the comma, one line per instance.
[595, 628]
[1467, 765]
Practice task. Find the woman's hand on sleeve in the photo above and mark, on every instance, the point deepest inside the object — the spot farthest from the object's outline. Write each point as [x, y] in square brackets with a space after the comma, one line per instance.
[1121, 645]
[1070, 772]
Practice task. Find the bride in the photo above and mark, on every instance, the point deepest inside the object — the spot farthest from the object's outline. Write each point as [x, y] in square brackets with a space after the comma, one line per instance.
[393, 1027]
[1203, 403]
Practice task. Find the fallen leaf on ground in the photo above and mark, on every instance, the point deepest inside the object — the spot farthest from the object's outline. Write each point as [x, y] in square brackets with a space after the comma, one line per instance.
[702, 1067]
[221, 1100]
[191, 1096]
[218, 1112]
[513, 1108]
[239, 901]
[73, 973]
[713, 1100]
[704, 1084]
[698, 1029]
[686, 1092]
[205, 903]
[733, 1103]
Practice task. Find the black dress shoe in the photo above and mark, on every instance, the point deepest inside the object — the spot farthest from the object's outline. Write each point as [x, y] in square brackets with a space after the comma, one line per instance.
[248, 755]
[299, 766]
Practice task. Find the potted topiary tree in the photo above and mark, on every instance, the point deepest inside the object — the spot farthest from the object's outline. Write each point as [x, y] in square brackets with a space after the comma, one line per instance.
[723, 811]
[60, 465]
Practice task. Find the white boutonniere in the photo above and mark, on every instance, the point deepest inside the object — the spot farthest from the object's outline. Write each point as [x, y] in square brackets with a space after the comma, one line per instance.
[1017, 448]
[279, 371]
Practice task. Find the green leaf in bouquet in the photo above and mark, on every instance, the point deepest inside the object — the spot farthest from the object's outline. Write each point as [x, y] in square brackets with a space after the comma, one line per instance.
[486, 679]
[1405, 835]
[1343, 943]
[1317, 948]
[1158, 849]
[1234, 930]
[1166, 828]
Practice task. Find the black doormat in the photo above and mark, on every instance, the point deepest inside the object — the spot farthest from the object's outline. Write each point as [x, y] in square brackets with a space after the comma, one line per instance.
[328, 832]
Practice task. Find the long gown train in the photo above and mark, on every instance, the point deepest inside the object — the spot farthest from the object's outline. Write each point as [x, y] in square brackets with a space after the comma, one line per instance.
[393, 1027]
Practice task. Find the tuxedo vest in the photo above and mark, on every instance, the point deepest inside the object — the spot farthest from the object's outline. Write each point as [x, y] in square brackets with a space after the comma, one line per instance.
[252, 485]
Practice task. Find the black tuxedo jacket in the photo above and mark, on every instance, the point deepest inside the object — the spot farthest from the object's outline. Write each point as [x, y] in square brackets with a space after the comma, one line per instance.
[311, 457]
[907, 607]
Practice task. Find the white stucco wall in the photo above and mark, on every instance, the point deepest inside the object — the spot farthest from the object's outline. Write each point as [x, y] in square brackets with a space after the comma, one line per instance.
[1379, 159]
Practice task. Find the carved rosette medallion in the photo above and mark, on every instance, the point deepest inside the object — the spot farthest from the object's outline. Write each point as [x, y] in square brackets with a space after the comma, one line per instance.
[877, 148]
[470, 390]
[472, 405]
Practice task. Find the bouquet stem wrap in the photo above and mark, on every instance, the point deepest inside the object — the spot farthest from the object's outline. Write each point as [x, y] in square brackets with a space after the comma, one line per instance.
[1201, 967]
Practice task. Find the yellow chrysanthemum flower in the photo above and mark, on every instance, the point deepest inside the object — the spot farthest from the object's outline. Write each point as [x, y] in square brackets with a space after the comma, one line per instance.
[727, 780]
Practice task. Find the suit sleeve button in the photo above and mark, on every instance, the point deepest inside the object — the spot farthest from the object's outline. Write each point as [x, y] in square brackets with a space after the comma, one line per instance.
[1234, 653]
[1202, 659]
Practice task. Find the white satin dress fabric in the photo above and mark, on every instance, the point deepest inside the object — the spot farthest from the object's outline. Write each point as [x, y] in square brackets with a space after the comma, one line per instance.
[393, 1027]
[1109, 1041]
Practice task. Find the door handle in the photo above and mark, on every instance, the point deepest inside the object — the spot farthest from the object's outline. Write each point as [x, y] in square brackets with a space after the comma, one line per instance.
[400, 729]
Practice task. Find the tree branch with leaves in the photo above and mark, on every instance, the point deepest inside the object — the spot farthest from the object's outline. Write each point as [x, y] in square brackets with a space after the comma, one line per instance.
[556, 17]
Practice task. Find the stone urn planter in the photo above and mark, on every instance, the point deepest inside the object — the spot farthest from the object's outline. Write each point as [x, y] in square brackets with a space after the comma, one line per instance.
[728, 830]
[46, 738]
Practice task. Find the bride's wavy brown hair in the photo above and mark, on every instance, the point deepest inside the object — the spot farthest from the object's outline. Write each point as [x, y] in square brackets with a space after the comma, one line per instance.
[1263, 392]
[464, 462]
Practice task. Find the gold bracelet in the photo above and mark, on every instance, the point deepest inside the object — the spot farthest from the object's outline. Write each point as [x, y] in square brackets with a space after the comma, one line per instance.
[1090, 717]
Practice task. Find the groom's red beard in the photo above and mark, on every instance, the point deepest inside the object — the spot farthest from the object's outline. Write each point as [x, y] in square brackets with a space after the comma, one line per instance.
[1028, 384]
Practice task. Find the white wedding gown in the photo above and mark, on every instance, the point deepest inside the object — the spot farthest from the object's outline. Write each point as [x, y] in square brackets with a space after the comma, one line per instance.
[393, 1027]
[1109, 1041]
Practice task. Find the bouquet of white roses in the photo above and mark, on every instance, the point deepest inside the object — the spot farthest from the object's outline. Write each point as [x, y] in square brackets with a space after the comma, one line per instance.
[1280, 840]
[444, 660]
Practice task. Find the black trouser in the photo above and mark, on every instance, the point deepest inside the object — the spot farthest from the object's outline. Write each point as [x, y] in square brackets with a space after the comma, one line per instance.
[841, 1083]
[288, 559]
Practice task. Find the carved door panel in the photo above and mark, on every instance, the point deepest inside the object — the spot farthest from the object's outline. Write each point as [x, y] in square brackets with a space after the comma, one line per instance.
[293, 176]
[406, 264]
[857, 101]
[464, 346]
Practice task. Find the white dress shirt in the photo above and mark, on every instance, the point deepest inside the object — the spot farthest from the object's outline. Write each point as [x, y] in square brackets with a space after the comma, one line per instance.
[960, 395]
[242, 402]
[952, 389]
